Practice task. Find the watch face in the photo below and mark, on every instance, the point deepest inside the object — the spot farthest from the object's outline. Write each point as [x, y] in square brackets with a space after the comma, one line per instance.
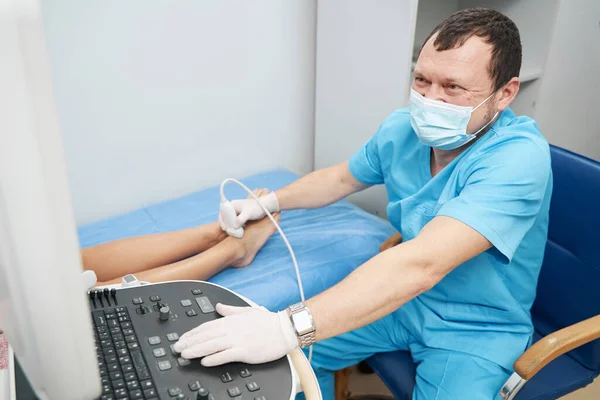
[302, 322]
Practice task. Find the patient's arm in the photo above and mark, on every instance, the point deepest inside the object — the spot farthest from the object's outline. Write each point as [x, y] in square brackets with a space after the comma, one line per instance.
[391, 278]
[319, 188]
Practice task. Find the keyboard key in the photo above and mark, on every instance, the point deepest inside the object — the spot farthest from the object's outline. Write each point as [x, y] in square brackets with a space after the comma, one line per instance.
[105, 380]
[172, 347]
[109, 351]
[147, 384]
[124, 360]
[107, 397]
[124, 319]
[119, 384]
[115, 330]
[205, 305]
[186, 302]
[118, 337]
[164, 365]
[150, 393]
[155, 298]
[130, 376]
[120, 345]
[131, 385]
[132, 346]
[172, 337]
[110, 315]
[139, 364]
[127, 331]
[102, 329]
[127, 368]
[194, 385]
[110, 359]
[99, 318]
[103, 371]
[106, 343]
[154, 340]
[106, 388]
[136, 394]
[121, 393]
[126, 325]
[260, 398]
[252, 386]
[234, 391]
[122, 352]
[226, 377]
[121, 309]
[112, 367]
[174, 391]
[104, 336]
[245, 373]
[160, 352]
[112, 323]
[115, 375]
[183, 361]
[196, 292]
[130, 338]
[137, 300]
[191, 313]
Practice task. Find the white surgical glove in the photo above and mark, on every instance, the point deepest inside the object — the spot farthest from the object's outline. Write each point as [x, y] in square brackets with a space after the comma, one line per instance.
[249, 209]
[244, 334]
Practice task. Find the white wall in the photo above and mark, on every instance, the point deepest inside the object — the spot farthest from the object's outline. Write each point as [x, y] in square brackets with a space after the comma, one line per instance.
[157, 99]
[363, 73]
[567, 110]
[430, 13]
[535, 38]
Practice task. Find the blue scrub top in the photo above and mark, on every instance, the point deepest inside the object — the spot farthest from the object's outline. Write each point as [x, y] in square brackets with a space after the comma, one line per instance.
[501, 187]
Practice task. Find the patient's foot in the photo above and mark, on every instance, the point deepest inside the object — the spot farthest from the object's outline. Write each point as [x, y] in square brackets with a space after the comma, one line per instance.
[259, 193]
[255, 236]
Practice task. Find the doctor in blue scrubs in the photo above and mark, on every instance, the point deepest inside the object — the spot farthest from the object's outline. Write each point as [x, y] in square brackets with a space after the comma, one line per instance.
[469, 186]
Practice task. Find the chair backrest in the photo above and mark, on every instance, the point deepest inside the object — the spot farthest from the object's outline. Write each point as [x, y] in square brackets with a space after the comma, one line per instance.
[569, 284]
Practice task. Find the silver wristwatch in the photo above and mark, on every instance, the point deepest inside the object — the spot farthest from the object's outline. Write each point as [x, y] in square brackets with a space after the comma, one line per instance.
[303, 324]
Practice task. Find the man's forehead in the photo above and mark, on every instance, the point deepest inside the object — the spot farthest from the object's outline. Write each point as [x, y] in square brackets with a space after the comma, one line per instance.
[469, 60]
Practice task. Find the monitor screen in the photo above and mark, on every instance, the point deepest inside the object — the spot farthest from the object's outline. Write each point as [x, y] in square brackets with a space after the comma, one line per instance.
[43, 307]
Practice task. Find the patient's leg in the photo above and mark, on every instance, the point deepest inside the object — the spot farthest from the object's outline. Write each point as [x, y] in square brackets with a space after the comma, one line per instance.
[132, 255]
[230, 252]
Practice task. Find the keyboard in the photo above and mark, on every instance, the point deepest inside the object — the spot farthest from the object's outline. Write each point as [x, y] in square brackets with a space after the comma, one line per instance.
[136, 329]
[123, 370]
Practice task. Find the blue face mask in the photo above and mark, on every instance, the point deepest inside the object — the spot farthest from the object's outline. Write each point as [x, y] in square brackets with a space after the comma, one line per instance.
[442, 125]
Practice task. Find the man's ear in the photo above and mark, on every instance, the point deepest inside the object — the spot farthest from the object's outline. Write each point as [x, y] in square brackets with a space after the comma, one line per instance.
[507, 93]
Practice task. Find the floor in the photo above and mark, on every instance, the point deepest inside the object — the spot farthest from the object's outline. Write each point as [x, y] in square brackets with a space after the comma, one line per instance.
[370, 384]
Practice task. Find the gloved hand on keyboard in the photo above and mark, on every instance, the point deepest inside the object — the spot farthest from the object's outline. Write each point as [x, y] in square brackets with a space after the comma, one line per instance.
[249, 209]
[244, 334]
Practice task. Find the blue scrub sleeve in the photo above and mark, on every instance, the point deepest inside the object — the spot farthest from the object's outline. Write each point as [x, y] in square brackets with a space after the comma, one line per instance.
[503, 193]
[365, 165]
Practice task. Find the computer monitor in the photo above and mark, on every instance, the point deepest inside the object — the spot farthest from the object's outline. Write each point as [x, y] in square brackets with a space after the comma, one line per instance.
[43, 307]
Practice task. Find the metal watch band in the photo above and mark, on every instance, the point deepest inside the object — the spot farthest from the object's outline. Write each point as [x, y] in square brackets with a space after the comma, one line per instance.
[307, 339]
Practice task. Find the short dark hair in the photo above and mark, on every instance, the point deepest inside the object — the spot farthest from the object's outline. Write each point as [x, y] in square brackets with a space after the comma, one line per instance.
[496, 28]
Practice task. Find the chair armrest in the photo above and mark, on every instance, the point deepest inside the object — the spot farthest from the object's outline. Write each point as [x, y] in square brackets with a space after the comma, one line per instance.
[556, 344]
[390, 242]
